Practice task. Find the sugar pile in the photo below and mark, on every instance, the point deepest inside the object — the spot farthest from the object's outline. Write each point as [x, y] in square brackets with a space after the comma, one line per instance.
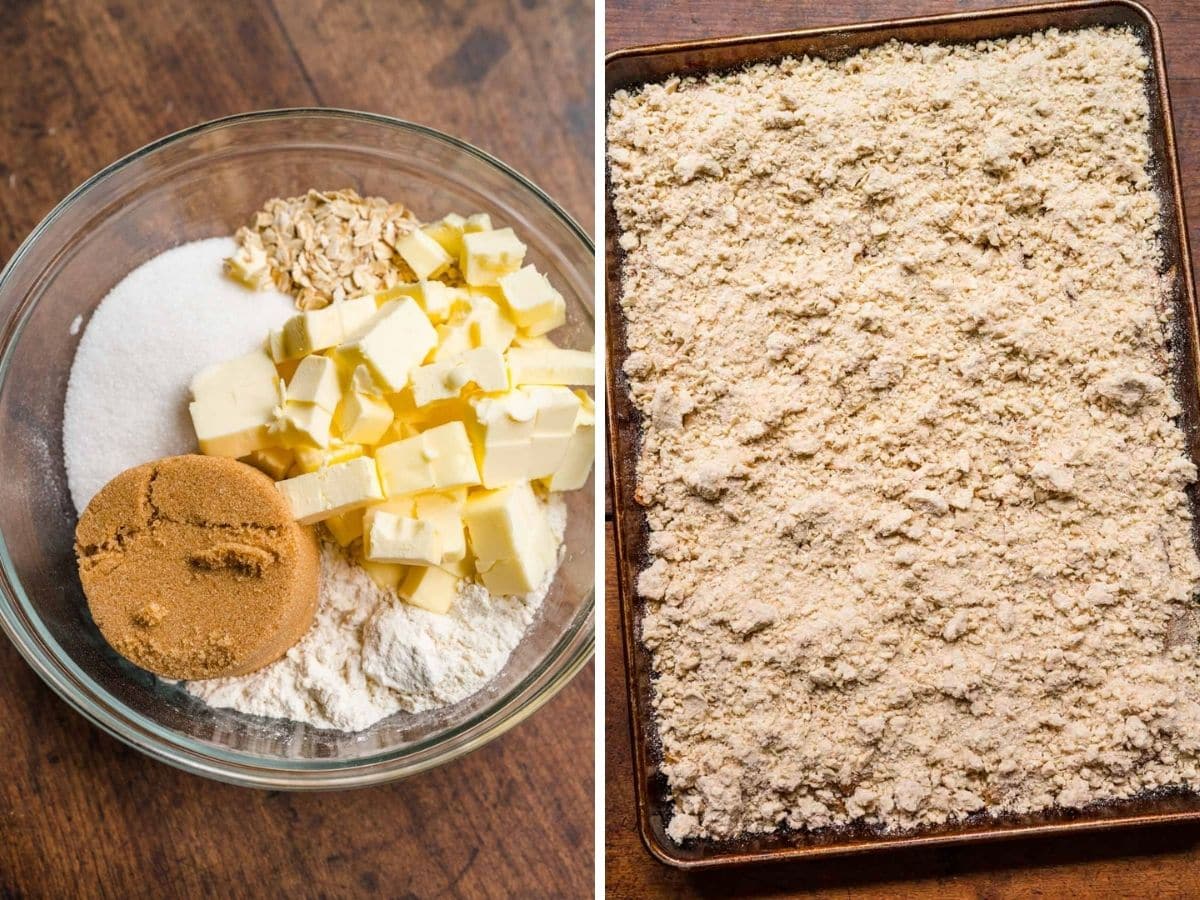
[166, 320]
[367, 655]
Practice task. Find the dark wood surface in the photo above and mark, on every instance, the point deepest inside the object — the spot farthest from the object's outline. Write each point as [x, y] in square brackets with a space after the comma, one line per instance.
[1159, 862]
[86, 81]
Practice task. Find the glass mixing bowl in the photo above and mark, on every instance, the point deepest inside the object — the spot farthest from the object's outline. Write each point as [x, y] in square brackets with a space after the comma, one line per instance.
[203, 182]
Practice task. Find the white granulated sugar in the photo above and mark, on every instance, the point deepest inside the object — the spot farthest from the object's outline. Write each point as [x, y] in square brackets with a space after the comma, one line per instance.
[167, 319]
[369, 655]
[919, 540]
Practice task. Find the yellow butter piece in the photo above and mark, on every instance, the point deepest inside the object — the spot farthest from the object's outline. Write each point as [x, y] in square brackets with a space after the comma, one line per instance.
[533, 365]
[273, 461]
[387, 576]
[302, 424]
[391, 344]
[233, 405]
[319, 329]
[532, 302]
[310, 459]
[448, 232]
[446, 379]
[522, 434]
[477, 222]
[332, 491]
[364, 419]
[315, 381]
[435, 298]
[572, 472]
[249, 266]
[444, 514]
[489, 255]
[510, 535]
[425, 256]
[391, 538]
[436, 459]
[429, 587]
[346, 528]
[540, 341]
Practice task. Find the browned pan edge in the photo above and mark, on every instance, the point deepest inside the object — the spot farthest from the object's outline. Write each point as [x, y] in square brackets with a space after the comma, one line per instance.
[626, 68]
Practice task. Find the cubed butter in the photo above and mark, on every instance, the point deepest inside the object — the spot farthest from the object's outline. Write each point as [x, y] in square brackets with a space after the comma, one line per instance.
[309, 459]
[436, 459]
[489, 255]
[435, 298]
[346, 528]
[429, 587]
[487, 323]
[530, 365]
[332, 491]
[315, 381]
[425, 256]
[233, 405]
[444, 514]
[522, 434]
[477, 222]
[319, 329]
[272, 461]
[444, 380]
[391, 344]
[406, 541]
[514, 547]
[301, 424]
[532, 302]
[572, 472]
[364, 419]
[448, 232]
[387, 576]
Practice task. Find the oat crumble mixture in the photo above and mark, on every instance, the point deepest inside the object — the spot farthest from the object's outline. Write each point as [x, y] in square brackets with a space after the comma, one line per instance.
[920, 546]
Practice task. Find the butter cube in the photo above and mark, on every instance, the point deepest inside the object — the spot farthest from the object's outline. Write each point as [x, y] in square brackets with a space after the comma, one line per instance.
[425, 256]
[436, 459]
[310, 459]
[391, 344]
[532, 303]
[319, 329]
[444, 515]
[435, 298]
[346, 528]
[477, 222]
[489, 326]
[386, 575]
[572, 472]
[429, 587]
[448, 232]
[364, 419]
[316, 382]
[514, 547]
[558, 409]
[272, 461]
[539, 341]
[390, 538]
[523, 434]
[444, 380]
[529, 365]
[233, 405]
[297, 424]
[332, 491]
[489, 255]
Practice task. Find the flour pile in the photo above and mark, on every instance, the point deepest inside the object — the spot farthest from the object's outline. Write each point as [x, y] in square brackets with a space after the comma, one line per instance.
[919, 540]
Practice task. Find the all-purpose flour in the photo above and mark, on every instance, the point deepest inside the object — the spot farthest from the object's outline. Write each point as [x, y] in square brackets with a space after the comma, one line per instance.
[367, 655]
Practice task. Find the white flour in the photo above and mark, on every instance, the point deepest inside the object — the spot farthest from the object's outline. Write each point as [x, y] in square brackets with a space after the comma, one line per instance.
[368, 655]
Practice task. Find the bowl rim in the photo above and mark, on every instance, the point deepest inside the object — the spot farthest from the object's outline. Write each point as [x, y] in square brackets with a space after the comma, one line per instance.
[24, 628]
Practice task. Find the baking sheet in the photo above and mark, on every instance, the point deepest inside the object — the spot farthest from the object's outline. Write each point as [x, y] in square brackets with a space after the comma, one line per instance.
[634, 67]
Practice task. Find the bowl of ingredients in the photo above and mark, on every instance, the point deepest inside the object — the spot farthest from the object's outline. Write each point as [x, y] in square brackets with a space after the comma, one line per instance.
[297, 432]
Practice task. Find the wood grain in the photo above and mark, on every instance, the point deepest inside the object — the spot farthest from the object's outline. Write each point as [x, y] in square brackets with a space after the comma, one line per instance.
[1158, 862]
[90, 80]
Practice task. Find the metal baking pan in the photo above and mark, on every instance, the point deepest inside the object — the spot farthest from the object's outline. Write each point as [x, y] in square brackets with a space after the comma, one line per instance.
[633, 67]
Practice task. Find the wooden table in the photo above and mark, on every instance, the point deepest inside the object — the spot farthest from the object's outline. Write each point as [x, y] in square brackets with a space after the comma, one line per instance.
[87, 81]
[1155, 862]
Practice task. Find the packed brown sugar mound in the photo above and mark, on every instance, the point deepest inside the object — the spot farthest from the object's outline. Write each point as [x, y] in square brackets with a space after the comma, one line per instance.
[919, 541]
[194, 568]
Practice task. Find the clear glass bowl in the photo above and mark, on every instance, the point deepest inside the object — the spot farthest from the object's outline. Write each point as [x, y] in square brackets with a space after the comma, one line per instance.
[203, 182]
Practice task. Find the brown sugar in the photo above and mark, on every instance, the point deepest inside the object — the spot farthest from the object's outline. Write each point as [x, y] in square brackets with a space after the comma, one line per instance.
[194, 568]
